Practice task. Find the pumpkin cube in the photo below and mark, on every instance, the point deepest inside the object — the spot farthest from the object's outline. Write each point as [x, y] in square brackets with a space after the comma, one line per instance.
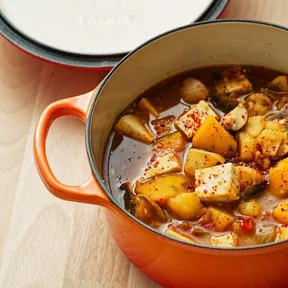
[213, 137]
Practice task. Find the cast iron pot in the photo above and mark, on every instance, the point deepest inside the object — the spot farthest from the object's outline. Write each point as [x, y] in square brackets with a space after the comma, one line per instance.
[166, 260]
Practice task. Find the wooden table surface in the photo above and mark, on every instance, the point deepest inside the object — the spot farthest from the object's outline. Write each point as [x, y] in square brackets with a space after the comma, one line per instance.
[46, 242]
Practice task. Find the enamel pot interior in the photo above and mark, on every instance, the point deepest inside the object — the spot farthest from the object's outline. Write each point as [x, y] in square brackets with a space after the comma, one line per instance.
[199, 45]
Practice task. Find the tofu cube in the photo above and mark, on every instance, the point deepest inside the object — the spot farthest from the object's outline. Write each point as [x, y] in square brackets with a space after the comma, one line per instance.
[167, 163]
[283, 233]
[234, 84]
[228, 240]
[270, 141]
[191, 121]
[218, 183]
[199, 159]
[238, 87]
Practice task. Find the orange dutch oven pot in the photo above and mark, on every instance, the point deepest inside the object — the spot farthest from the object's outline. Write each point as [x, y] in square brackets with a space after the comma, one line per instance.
[170, 262]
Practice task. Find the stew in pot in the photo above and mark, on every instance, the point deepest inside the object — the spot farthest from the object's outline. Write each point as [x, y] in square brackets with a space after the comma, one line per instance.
[202, 156]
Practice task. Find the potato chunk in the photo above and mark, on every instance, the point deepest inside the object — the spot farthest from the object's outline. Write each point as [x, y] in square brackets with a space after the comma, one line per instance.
[249, 177]
[279, 84]
[199, 159]
[280, 213]
[283, 149]
[266, 234]
[130, 125]
[186, 206]
[191, 121]
[251, 181]
[213, 137]
[258, 104]
[280, 126]
[247, 146]
[238, 87]
[228, 240]
[278, 178]
[172, 233]
[270, 142]
[161, 188]
[172, 142]
[218, 183]
[167, 163]
[274, 125]
[283, 233]
[235, 119]
[221, 219]
[146, 106]
[250, 208]
[193, 91]
[255, 125]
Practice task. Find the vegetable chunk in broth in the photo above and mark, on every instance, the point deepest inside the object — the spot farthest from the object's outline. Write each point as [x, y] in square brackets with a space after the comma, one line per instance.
[202, 156]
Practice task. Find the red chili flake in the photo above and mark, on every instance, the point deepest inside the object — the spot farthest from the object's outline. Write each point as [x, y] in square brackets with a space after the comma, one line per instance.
[155, 164]
[189, 185]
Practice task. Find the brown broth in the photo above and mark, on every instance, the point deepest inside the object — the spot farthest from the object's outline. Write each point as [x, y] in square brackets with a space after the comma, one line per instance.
[126, 158]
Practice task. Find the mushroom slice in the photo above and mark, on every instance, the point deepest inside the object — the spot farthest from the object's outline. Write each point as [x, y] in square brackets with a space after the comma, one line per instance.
[236, 119]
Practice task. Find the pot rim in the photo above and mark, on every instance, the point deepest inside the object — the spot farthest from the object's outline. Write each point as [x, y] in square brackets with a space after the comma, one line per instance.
[96, 172]
[83, 61]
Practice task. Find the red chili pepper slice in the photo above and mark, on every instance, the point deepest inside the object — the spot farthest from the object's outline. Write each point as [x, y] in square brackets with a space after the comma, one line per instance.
[247, 225]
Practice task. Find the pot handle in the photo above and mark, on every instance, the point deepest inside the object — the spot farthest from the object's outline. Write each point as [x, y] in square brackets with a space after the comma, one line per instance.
[89, 192]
